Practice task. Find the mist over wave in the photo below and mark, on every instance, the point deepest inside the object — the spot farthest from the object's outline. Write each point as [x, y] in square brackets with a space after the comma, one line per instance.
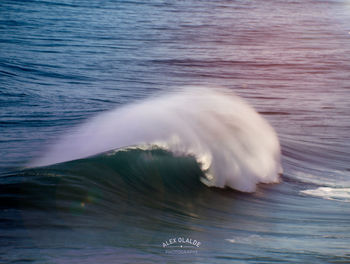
[234, 145]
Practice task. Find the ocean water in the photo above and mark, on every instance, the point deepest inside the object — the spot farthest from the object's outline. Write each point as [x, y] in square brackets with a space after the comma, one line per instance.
[175, 131]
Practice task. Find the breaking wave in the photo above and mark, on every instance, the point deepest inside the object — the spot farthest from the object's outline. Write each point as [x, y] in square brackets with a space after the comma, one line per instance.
[234, 146]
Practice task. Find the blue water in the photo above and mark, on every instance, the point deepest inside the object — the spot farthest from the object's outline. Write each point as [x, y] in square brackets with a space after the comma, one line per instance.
[62, 63]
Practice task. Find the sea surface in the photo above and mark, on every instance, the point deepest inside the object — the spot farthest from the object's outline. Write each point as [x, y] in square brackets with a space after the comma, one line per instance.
[175, 131]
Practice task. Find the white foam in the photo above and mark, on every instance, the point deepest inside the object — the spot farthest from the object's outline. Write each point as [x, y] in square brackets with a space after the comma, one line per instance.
[236, 146]
[338, 194]
[245, 240]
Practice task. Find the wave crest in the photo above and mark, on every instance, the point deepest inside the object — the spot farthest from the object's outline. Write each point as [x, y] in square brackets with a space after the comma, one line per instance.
[235, 146]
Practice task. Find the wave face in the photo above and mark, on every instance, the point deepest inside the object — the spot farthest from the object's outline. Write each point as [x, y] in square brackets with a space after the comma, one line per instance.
[233, 144]
[107, 182]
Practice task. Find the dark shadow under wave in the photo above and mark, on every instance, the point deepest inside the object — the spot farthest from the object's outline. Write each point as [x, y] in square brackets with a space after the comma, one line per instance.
[104, 182]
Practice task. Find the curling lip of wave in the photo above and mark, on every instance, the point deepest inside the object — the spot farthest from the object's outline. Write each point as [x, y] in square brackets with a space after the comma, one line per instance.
[235, 146]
